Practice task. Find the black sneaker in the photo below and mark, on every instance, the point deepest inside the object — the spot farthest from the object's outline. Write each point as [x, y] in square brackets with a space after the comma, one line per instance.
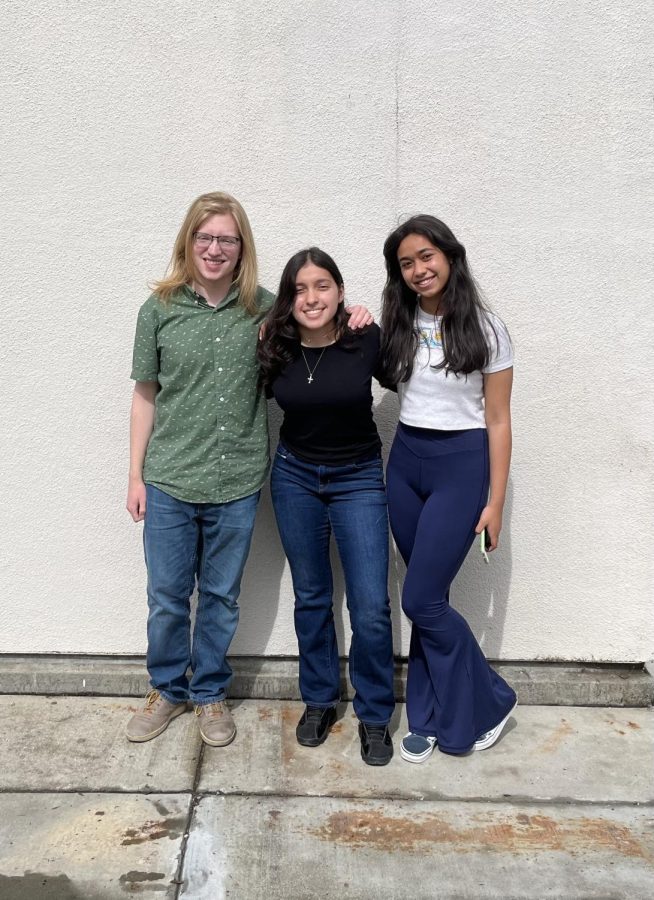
[313, 727]
[376, 744]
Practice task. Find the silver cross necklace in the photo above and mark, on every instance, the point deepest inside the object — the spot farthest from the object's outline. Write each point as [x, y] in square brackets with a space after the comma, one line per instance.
[309, 369]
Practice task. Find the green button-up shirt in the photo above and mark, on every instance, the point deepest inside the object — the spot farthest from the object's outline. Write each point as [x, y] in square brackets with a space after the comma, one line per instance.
[210, 437]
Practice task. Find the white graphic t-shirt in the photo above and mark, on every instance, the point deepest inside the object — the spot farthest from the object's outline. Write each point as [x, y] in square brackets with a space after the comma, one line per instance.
[432, 399]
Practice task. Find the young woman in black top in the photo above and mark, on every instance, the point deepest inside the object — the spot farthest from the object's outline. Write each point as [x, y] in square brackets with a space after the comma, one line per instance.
[327, 477]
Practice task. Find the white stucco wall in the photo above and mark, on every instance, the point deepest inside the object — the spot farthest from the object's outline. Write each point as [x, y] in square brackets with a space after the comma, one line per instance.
[526, 126]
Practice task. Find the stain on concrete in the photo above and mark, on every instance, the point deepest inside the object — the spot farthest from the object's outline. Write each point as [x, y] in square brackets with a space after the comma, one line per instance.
[289, 744]
[554, 741]
[154, 831]
[632, 725]
[264, 713]
[99, 812]
[289, 714]
[135, 887]
[505, 834]
[161, 808]
[274, 815]
[38, 886]
[131, 877]
[336, 728]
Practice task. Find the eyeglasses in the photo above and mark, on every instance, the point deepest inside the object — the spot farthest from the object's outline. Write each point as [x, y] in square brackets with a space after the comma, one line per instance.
[204, 241]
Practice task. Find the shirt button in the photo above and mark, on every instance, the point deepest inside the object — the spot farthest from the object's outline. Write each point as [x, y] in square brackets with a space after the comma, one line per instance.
[217, 340]
[222, 427]
[220, 368]
[221, 399]
[223, 456]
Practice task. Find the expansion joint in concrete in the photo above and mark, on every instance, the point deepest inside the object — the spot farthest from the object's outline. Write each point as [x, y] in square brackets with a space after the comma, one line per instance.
[196, 796]
[509, 800]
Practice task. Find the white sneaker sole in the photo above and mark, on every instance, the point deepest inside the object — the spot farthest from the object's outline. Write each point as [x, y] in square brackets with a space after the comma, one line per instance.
[494, 735]
[417, 757]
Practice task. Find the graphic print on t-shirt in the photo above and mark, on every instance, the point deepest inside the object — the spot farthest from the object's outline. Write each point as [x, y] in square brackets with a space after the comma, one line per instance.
[430, 336]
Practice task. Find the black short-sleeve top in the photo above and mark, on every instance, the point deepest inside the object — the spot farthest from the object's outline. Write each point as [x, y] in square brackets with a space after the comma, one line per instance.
[326, 396]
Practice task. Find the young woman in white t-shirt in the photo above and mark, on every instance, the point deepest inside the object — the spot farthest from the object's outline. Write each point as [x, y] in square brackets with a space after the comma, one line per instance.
[452, 363]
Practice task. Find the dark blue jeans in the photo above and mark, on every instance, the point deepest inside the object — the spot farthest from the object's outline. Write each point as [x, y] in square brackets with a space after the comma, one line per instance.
[310, 502]
[437, 488]
[184, 541]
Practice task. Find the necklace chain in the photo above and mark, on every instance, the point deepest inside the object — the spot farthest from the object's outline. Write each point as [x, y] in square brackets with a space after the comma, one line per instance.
[309, 369]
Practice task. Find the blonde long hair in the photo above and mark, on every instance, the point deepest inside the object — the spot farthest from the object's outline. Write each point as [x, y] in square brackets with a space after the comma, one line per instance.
[182, 270]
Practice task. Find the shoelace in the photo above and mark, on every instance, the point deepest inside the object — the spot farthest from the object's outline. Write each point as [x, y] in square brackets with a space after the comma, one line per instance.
[150, 699]
[210, 709]
[376, 731]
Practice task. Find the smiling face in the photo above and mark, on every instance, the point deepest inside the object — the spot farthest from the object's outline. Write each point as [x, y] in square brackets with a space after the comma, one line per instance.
[316, 300]
[425, 269]
[216, 263]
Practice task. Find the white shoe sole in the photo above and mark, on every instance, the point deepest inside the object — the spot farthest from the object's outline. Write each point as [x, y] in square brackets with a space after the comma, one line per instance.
[494, 734]
[417, 757]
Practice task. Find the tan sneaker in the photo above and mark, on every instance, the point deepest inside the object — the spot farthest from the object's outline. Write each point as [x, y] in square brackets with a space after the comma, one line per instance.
[217, 726]
[154, 718]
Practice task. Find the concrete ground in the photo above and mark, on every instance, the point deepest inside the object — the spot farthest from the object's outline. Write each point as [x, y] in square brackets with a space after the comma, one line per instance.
[561, 807]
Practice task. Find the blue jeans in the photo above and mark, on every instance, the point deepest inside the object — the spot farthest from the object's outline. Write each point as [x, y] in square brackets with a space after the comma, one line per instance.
[182, 542]
[310, 501]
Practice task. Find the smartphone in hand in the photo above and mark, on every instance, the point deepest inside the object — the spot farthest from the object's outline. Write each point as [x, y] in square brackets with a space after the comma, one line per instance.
[484, 544]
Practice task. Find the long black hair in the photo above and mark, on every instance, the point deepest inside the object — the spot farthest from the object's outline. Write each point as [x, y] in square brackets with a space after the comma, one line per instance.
[281, 342]
[466, 345]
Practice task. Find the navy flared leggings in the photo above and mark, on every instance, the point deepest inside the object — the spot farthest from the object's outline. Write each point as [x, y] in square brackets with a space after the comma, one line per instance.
[437, 483]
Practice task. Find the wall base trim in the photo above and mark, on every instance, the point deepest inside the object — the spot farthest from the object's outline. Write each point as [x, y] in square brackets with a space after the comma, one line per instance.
[275, 678]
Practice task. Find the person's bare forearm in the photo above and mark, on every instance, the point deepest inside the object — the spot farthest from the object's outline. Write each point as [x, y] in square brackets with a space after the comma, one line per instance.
[499, 449]
[141, 424]
[497, 407]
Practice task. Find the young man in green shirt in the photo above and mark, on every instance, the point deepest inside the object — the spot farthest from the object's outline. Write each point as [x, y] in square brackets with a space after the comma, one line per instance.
[198, 458]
